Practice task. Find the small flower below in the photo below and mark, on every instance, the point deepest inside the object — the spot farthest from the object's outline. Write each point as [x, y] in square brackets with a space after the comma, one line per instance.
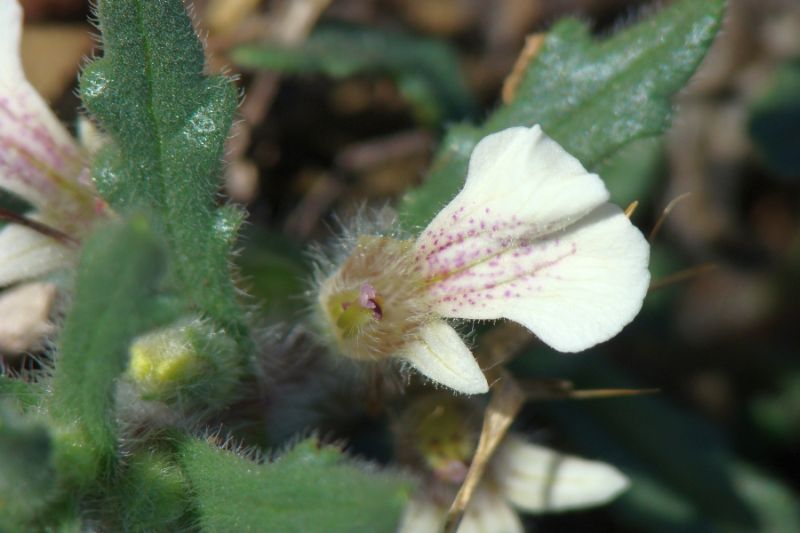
[531, 238]
[442, 432]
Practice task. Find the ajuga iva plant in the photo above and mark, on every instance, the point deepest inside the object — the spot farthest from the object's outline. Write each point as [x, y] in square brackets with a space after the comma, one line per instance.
[163, 404]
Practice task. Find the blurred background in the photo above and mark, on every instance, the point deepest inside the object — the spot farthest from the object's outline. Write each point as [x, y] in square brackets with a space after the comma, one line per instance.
[324, 130]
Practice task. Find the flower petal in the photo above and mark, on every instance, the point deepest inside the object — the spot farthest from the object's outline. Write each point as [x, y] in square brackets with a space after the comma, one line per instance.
[574, 288]
[488, 512]
[26, 254]
[537, 479]
[422, 516]
[520, 183]
[442, 356]
[26, 317]
[39, 160]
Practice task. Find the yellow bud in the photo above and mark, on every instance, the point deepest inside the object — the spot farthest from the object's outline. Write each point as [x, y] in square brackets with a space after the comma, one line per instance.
[189, 356]
[161, 359]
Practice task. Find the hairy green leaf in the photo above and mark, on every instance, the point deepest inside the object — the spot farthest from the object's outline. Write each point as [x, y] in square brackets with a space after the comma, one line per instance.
[310, 488]
[26, 469]
[275, 273]
[426, 71]
[151, 495]
[22, 393]
[168, 123]
[117, 278]
[595, 97]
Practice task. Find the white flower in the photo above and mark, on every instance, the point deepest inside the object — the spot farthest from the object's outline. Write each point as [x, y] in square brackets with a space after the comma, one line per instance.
[531, 237]
[521, 476]
[39, 162]
[26, 311]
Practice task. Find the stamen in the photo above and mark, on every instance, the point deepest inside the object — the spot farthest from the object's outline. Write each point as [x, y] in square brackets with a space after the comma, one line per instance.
[367, 298]
[453, 471]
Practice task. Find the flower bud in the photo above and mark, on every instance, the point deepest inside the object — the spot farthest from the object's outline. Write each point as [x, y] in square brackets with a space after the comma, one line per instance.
[187, 360]
[442, 431]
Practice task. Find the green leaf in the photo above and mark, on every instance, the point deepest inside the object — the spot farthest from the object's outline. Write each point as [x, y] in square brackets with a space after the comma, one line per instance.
[308, 489]
[117, 278]
[632, 173]
[152, 495]
[26, 469]
[777, 415]
[775, 121]
[775, 505]
[595, 97]
[22, 393]
[168, 123]
[426, 71]
[275, 273]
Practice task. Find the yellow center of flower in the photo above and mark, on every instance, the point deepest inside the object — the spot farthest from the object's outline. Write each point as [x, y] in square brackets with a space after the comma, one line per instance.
[351, 310]
[375, 302]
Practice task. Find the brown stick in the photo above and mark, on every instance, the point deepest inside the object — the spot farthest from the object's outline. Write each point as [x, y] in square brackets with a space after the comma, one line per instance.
[680, 276]
[507, 399]
[533, 43]
[38, 227]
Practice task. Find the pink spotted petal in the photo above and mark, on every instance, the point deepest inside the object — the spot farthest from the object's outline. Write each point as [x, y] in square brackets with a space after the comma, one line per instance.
[573, 288]
[39, 160]
[520, 183]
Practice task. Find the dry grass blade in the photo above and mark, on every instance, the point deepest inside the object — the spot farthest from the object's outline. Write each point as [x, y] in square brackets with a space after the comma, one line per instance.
[682, 275]
[507, 399]
[537, 390]
[598, 394]
[533, 43]
[631, 208]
